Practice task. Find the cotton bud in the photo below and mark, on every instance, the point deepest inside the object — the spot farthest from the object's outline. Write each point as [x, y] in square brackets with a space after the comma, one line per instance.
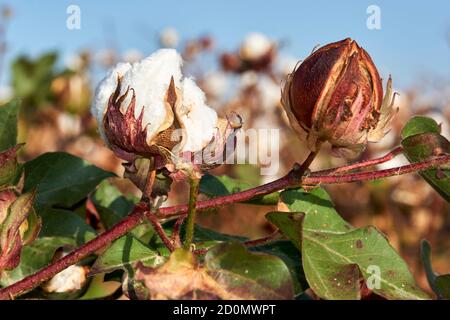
[148, 109]
[336, 95]
[19, 226]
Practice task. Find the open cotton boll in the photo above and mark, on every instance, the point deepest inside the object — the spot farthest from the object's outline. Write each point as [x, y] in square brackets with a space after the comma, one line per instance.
[255, 46]
[141, 106]
[150, 79]
[198, 119]
[104, 90]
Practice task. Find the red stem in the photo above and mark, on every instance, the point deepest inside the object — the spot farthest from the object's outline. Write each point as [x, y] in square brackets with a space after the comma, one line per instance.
[160, 231]
[136, 217]
[293, 178]
[362, 164]
[314, 179]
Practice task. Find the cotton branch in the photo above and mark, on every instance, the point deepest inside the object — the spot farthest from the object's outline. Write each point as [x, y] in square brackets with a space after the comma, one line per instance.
[294, 178]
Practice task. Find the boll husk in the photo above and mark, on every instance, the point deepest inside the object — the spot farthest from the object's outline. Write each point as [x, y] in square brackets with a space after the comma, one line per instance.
[336, 95]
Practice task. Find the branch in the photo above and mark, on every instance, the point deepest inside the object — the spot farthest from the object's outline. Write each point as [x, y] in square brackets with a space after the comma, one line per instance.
[194, 183]
[362, 164]
[137, 216]
[294, 179]
[314, 179]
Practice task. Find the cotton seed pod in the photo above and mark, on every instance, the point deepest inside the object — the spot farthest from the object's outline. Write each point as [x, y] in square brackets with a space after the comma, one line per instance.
[336, 95]
[70, 279]
[141, 108]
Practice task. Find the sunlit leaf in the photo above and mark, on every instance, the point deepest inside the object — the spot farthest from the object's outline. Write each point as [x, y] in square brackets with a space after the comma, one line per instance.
[423, 146]
[98, 288]
[335, 255]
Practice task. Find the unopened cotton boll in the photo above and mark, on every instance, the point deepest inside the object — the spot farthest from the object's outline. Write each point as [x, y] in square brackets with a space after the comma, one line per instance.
[255, 46]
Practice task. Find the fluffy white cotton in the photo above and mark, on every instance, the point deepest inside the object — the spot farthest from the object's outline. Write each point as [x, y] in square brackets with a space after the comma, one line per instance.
[150, 78]
[70, 279]
[132, 55]
[104, 90]
[254, 46]
[199, 120]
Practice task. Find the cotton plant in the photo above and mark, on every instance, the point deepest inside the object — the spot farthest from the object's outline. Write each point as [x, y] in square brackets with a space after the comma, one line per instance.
[158, 121]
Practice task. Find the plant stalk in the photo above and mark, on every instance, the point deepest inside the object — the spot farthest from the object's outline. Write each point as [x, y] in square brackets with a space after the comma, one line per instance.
[194, 183]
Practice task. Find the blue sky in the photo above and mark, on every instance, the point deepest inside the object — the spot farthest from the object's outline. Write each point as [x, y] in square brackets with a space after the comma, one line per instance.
[413, 40]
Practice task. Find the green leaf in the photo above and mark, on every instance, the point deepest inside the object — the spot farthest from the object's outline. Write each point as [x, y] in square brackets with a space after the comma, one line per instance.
[61, 179]
[204, 238]
[287, 251]
[317, 203]
[32, 79]
[290, 224]
[423, 146]
[63, 223]
[124, 252]
[418, 125]
[443, 285]
[98, 288]
[8, 125]
[441, 290]
[425, 255]
[33, 258]
[249, 275]
[215, 186]
[112, 207]
[335, 255]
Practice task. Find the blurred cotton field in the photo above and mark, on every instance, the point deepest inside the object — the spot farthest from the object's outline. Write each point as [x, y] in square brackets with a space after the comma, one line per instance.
[57, 91]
